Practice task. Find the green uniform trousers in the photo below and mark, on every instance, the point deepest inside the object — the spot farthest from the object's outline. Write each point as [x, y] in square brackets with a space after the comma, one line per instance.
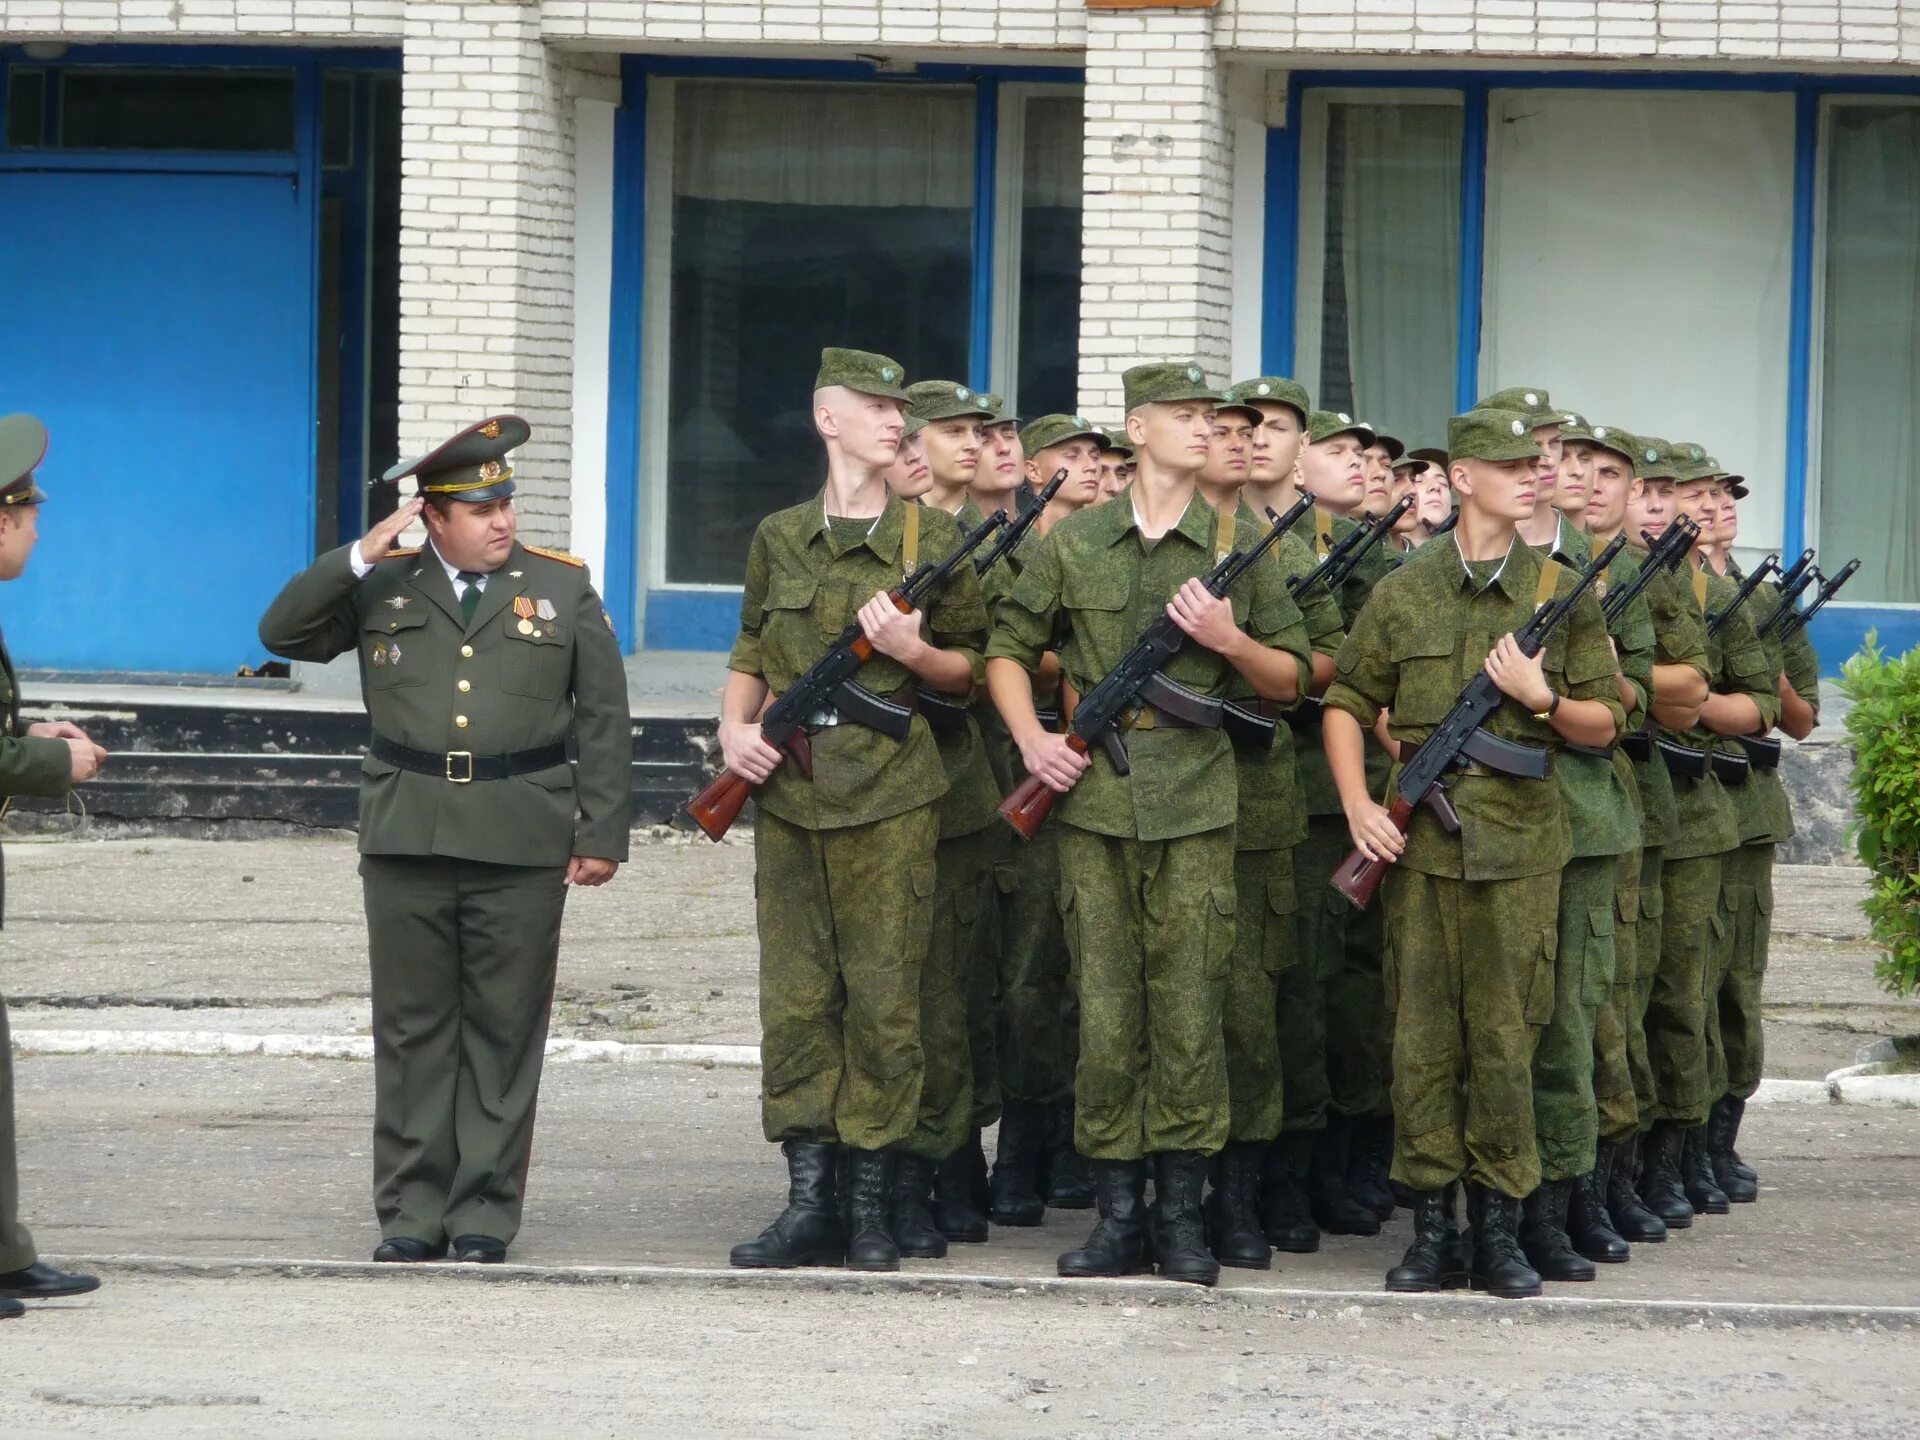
[462, 955]
[1566, 1119]
[1746, 890]
[983, 985]
[1038, 1032]
[1342, 947]
[958, 949]
[1682, 1027]
[1472, 986]
[16, 1245]
[1648, 935]
[1614, 1095]
[1150, 927]
[1265, 945]
[845, 919]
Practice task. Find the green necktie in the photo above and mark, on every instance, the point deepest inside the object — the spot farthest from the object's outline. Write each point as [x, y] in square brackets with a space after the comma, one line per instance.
[470, 597]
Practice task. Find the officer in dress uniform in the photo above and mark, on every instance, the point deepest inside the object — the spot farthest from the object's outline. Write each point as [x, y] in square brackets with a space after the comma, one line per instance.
[479, 657]
[43, 759]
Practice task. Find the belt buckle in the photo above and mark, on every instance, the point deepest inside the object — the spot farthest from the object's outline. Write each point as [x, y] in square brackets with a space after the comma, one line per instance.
[466, 779]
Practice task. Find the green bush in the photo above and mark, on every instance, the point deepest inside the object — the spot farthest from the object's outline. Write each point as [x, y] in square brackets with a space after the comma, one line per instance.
[1884, 726]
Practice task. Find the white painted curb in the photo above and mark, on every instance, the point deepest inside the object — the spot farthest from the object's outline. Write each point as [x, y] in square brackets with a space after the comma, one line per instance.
[1793, 1092]
[219, 1044]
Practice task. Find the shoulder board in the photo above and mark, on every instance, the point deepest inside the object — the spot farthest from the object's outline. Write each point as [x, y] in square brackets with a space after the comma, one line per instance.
[562, 556]
[403, 554]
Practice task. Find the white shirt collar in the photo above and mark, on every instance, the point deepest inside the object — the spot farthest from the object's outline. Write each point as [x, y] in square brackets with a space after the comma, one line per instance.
[1454, 535]
[453, 572]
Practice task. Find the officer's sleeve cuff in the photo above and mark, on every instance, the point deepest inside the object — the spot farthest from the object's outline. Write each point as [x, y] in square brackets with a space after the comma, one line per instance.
[361, 569]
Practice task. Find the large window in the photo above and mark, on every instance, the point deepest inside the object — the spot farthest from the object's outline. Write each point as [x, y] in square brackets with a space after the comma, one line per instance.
[1380, 257]
[1869, 410]
[1047, 302]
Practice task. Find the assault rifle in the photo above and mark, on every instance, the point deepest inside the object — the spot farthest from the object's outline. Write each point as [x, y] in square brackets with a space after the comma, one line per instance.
[1766, 567]
[1684, 761]
[1453, 519]
[1789, 597]
[1665, 553]
[1802, 568]
[828, 689]
[1461, 737]
[1137, 680]
[1828, 589]
[1763, 751]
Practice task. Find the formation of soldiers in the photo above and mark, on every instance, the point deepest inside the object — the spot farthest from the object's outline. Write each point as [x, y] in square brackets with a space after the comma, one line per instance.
[1219, 638]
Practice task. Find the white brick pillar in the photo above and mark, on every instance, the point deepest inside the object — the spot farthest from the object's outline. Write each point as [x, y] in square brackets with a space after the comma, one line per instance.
[1156, 253]
[486, 241]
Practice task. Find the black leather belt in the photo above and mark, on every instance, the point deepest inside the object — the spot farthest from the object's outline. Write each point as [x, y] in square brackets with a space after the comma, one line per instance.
[1598, 752]
[462, 767]
[1639, 746]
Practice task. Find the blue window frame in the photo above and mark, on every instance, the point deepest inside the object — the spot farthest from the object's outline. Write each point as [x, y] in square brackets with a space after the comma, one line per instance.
[706, 617]
[1840, 628]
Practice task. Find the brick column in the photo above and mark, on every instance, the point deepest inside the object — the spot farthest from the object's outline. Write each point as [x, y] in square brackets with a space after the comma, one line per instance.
[1156, 247]
[486, 240]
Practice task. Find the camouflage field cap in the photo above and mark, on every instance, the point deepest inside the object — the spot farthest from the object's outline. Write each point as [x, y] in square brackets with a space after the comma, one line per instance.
[1493, 434]
[1736, 485]
[1325, 424]
[1692, 462]
[1166, 382]
[1653, 459]
[1274, 390]
[1393, 444]
[1426, 455]
[472, 466]
[1609, 437]
[998, 411]
[23, 445]
[913, 427]
[930, 400]
[1530, 400]
[1057, 430]
[1228, 402]
[1115, 439]
[861, 370]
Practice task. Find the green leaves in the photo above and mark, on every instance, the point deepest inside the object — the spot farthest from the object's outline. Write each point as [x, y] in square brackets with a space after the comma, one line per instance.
[1884, 725]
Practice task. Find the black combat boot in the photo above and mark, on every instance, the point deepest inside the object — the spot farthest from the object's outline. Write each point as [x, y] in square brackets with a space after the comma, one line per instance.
[1696, 1174]
[1284, 1212]
[979, 1186]
[1369, 1159]
[869, 1194]
[1423, 1269]
[1543, 1234]
[1660, 1184]
[1334, 1209]
[1238, 1239]
[1588, 1224]
[809, 1231]
[1632, 1220]
[1499, 1267]
[1456, 1251]
[1069, 1180]
[1118, 1244]
[953, 1210]
[1179, 1239]
[913, 1228]
[1016, 1169]
[1723, 1128]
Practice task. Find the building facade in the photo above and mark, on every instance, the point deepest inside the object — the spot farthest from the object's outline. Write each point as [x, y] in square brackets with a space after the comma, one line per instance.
[255, 249]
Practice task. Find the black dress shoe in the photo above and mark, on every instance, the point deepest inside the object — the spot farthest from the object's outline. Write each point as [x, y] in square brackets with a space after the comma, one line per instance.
[43, 1282]
[11, 1309]
[479, 1249]
[405, 1250]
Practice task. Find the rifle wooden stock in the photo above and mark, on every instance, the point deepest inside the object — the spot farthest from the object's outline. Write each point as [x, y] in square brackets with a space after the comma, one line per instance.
[1027, 808]
[1358, 877]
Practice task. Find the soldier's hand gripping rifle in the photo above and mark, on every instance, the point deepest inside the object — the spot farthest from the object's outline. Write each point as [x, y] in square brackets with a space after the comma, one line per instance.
[1136, 681]
[1460, 737]
[1794, 623]
[829, 685]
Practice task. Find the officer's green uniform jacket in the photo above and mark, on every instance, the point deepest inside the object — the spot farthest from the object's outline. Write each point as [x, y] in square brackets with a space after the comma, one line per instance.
[1708, 821]
[29, 765]
[1425, 632]
[1098, 573]
[803, 587]
[436, 682]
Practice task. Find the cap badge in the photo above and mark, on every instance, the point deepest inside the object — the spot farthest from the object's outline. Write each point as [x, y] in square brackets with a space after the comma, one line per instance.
[1532, 399]
[1262, 388]
[1344, 418]
[1652, 454]
[1696, 452]
[1518, 428]
[886, 373]
[1077, 420]
[1193, 373]
[1599, 432]
[491, 469]
[960, 392]
[491, 429]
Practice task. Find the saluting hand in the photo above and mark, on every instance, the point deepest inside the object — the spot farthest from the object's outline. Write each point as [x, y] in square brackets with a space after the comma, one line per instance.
[890, 631]
[1204, 617]
[380, 539]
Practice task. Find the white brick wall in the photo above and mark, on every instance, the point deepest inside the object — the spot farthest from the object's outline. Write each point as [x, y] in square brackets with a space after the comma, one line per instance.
[368, 20]
[1156, 249]
[1044, 24]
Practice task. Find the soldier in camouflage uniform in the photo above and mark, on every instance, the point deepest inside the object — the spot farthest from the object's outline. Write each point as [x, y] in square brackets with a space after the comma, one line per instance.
[1471, 916]
[844, 856]
[1682, 1028]
[1147, 890]
[1271, 822]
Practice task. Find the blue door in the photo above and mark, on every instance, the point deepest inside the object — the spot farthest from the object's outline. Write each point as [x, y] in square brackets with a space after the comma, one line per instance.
[162, 325]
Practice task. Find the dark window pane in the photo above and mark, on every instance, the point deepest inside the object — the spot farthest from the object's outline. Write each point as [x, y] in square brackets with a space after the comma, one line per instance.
[26, 107]
[114, 109]
[803, 215]
[1050, 256]
[336, 122]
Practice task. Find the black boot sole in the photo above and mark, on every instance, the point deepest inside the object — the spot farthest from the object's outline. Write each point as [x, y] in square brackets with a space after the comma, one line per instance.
[1711, 1207]
[827, 1259]
[1094, 1272]
[1237, 1263]
[1532, 1293]
[1295, 1244]
[1414, 1287]
[1201, 1278]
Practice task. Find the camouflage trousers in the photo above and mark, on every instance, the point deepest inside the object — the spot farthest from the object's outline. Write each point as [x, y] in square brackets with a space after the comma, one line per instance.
[1682, 1027]
[955, 1018]
[1335, 1037]
[1617, 1023]
[1150, 924]
[1565, 1117]
[1038, 1021]
[1646, 947]
[16, 1245]
[845, 919]
[1472, 985]
[1265, 946]
[1746, 895]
